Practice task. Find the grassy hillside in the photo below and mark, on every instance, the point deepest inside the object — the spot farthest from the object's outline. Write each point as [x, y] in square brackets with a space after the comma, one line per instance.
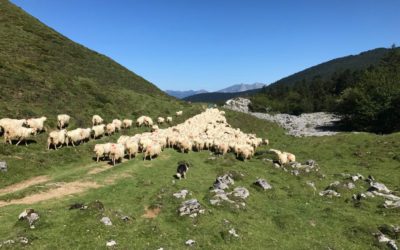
[327, 69]
[45, 73]
[319, 88]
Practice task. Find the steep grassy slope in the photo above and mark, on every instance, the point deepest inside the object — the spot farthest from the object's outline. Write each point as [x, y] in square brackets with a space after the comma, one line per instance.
[45, 73]
[327, 69]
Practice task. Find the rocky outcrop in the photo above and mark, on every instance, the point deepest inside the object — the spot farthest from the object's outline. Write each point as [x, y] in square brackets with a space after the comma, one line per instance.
[310, 124]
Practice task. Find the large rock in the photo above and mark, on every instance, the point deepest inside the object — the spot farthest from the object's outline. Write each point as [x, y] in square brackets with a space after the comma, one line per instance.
[263, 184]
[190, 207]
[223, 182]
[106, 221]
[30, 215]
[181, 194]
[238, 104]
[240, 192]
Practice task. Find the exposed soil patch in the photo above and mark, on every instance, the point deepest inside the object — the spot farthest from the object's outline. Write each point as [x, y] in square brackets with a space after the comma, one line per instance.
[151, 213]
[112, 178]
[24, 184]
[62, 190]
[99, 169]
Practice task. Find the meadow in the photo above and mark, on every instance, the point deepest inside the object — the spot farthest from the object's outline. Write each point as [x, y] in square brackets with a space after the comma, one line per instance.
[289, 216]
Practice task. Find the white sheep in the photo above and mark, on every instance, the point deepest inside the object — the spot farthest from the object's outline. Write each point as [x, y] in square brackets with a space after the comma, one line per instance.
[98, 130]
[179, 113]
[154, 128]
[118, 124]
[63, 121]
[122, 139]
[169, 119]
[127, 123]
[148, 121]
[74, 136]
[132, 147]
[37, 123]
[140, 121]
[160, 120]
[102, 150]
[110, 128]
[152, 151]
[56, 138]
[18, 133]
[117, 152]
[97, 120]
[6, 123]
[86, 134]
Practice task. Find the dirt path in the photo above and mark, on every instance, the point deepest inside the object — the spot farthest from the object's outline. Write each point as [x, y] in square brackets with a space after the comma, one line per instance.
[24, 184]
[64, 189]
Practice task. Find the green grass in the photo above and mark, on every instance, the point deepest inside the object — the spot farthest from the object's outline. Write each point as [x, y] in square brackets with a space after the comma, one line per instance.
[290, 216]
[44, 73]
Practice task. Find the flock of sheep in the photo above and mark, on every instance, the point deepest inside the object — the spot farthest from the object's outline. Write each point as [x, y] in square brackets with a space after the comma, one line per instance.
[206, 131]
[22, 129]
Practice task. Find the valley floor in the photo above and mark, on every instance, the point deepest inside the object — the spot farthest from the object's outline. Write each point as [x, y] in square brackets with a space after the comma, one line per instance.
[289, 216]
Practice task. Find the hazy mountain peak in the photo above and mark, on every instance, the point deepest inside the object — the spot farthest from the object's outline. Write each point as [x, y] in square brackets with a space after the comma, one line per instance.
[241, 87]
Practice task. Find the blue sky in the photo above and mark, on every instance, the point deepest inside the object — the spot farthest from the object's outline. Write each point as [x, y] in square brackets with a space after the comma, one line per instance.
[211, 44]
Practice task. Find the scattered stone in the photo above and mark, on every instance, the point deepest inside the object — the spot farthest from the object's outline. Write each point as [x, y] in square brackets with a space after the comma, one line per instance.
[357, 177]
[391, 197]
[311, 124]
[333, 184]
[106, 221]
[359, 196]
[30, 215]
[376, 186]
[223, 182]
[111, 243]
[3, 166]
[263, 184]
[232, 231]
[384, 239]
[125, 218]
[312, 185]
[329, 193]
[241, 192]
[181, 194]
[311, 163]
[349, 185]
[189, 207]
[276, 165]
[391, 204]
[8, 242]
[190, 242]
[23, 240]
[295, 172]
[390, 230]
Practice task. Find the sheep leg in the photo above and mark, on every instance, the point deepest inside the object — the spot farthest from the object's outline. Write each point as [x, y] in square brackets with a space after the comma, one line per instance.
[18, 142]
[73, 143]
[97, 159]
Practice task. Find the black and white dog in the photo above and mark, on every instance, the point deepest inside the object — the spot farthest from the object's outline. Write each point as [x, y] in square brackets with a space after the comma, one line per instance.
[183, 167]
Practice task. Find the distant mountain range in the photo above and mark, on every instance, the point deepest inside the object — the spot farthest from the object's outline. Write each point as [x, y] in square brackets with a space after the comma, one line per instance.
[324, 71]
[182, 94]
[242, 87]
